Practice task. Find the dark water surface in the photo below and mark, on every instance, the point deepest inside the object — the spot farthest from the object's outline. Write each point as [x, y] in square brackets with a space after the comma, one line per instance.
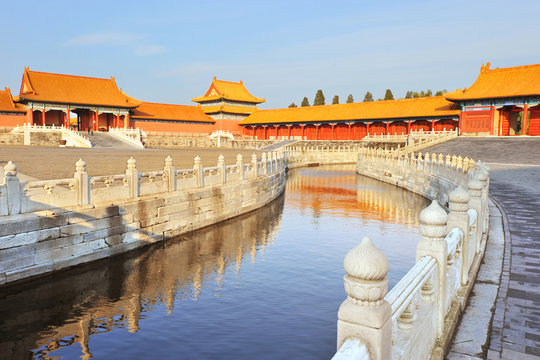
[267, 285]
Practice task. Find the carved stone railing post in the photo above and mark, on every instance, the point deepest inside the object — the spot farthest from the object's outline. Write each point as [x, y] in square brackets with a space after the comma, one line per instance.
[222, 169]
[264, 162]
[483, 176]
[433, 220]
[169, 171]
[132, 177]
[198, 169]
[274, 162]
[240, 166]
[13, 189]
[82, 183]
[458, 202]
[254, 165]
[475, 187]
[365, 314]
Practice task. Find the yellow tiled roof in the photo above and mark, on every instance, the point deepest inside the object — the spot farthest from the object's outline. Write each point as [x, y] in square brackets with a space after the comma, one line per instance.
[504, 82]
[170, 112]
[220, 89]
[7, 104]
[229, 109]
[388, 109]
[60, 88]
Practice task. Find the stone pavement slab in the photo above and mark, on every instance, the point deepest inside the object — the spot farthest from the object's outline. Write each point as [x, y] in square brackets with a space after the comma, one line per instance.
[515, 185]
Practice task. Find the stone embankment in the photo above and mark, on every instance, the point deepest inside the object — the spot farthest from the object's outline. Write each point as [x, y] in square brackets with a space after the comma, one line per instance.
[51, 225]
[417, 318]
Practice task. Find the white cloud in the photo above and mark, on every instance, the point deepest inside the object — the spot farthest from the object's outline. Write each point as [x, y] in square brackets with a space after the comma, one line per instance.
[143, 50]
[103, 38]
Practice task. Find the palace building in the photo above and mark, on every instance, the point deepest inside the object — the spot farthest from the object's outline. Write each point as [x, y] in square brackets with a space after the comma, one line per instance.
[228, 102]
[501, 102]
[353, 121]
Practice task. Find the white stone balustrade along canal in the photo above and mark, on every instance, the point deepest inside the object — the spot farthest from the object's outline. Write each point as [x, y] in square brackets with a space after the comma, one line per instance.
[49, 225]
[416, 319]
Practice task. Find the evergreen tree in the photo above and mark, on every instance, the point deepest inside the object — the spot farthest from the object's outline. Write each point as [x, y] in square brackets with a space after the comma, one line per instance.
[335, 100]
[319, 98]
[368, 97]
[409, 95]
[293, 105]
[305, 102]
[416, 95]
[429, 92]
[439, 93]
[388, 95]
[350, 99]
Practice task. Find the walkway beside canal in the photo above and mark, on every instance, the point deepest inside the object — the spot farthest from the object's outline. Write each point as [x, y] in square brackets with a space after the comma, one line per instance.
[514, 184]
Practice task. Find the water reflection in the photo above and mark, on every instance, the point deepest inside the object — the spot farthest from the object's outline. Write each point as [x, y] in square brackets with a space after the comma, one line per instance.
[68, 308]
[231, 291]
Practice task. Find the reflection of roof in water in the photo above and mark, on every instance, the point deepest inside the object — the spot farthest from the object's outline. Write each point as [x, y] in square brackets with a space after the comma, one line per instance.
[353, 196]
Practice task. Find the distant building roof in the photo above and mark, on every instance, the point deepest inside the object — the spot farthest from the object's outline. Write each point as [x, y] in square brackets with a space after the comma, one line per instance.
[228, 90]
[71, 89]
[156, 111]
[504, 82]
[435, 106]
[7, 104]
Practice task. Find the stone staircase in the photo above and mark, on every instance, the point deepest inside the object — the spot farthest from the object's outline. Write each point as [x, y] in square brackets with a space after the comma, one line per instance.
[105, 140]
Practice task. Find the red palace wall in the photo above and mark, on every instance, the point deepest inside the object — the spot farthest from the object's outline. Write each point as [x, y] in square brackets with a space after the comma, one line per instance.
[228, 125]
[475, 121]
[534, 122]
[10, 121]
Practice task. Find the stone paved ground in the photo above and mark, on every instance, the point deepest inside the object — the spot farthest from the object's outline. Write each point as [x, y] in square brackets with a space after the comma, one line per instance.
[47, 163]
[515, 185]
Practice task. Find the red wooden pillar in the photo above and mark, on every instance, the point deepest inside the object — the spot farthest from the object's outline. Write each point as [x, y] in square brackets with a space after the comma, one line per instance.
[43, 117]
[433, 125]
[499, 130]
[253, 128]
[388, 128]
[350, 131]
[265, 132]
[491, 119]
[66, 118]
[127, 124]
[367, 128]
[289, 126]
[316, 131]
[30, 116]
[525, 122]
[408, 127]
[303, 126]
[333, 136]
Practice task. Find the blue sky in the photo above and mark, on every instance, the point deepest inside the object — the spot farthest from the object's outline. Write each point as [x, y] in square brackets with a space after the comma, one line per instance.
[168, 51]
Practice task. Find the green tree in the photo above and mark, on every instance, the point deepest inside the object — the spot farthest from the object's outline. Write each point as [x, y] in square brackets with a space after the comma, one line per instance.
[368, 97]
[415, 94]
[319, 98]
[388, 95]
[409, 94]
[293, 105]
[335, 100]
[350, 99]
[429, 92]
[305, 102]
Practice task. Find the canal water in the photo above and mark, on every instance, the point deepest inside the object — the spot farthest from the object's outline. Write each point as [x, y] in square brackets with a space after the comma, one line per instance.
[267, 285]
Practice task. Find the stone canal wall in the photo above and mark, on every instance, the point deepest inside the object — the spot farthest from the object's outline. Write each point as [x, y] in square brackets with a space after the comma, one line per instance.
[417, 318]
[51, 225]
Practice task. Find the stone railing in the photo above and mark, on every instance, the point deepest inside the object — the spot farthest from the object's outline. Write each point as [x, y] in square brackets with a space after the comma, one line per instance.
[131, 136]
[416, 319]
[51, 225]
[19, 198]
[419, 140]
[299, 156]
[72, 138]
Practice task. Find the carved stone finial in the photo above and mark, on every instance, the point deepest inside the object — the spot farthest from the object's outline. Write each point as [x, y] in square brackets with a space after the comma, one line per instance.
[433, 221]
[221, 158]
[80, 166]
[239, 157]
[197, 160]
[366, 268]
[475, 184]
[168, 161]
[458, 199]
[10, 169]
[131, 163]
[253, 157]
